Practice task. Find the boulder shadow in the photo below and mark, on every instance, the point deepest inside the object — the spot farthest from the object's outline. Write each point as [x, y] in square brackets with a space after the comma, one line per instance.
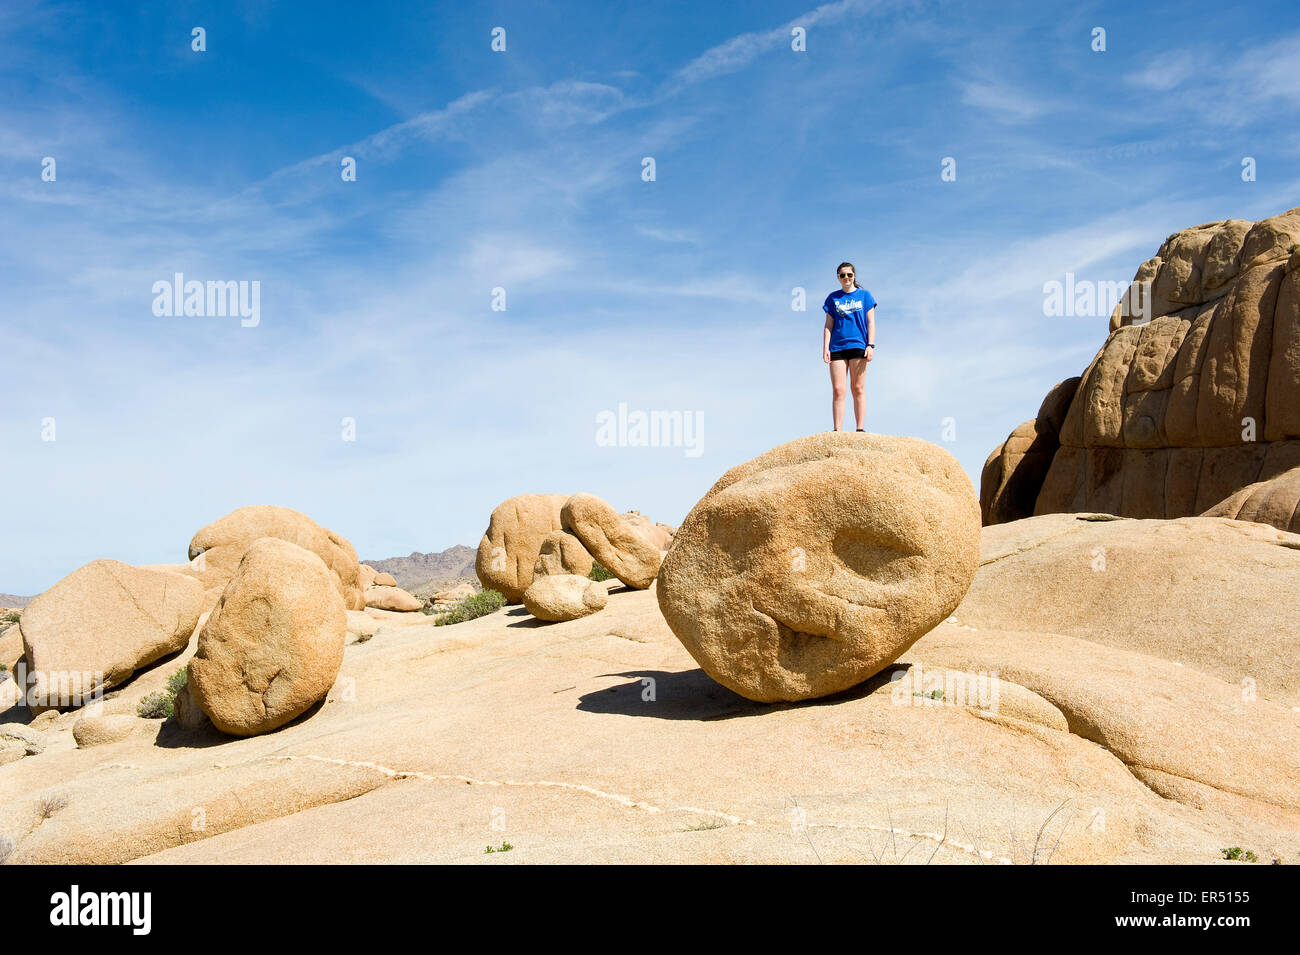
[171, 735]
[694, 695]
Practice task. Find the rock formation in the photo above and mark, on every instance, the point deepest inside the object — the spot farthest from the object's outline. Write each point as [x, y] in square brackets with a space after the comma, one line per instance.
[810, 568]
[273, 645]
[562, 553]
[510, 546]
[94, 628]
[1177, 413]
[621, 548]
[557, 597]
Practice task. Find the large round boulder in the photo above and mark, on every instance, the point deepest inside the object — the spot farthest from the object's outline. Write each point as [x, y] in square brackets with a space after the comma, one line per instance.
[1275, 501]
[217, 549]
[564, 597]
[623, 550]
[100, 624]
[392, 598]
[508, 551]
[274, 643]
[812, 567]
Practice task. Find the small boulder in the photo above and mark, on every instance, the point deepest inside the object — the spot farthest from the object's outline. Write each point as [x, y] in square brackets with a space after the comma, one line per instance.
[454, 595]
[621, 548]
[564, 597]
[274, 643]
[392, 598]
[562, 553]
[384, 580]
[91, 731]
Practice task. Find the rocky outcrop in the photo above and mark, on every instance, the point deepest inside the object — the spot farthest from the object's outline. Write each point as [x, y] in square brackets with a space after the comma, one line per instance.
[273, 645]
[1177, 413]
[810, 568]
[1204, 592]
[1275, 501]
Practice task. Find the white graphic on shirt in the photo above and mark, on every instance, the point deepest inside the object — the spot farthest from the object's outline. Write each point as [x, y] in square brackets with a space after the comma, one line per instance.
[845, 304]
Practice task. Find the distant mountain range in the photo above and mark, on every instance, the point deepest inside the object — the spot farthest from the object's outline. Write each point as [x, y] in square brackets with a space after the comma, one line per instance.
[14, 602]
[422, 574]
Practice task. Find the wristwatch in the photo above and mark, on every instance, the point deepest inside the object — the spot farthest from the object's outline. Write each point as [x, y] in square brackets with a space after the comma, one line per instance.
[871, 344]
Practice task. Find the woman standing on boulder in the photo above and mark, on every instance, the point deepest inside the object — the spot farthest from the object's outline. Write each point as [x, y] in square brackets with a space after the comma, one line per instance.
[848, 342]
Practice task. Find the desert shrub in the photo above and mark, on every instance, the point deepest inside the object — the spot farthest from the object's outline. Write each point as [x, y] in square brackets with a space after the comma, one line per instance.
[162, 704]
[10, 616]
[50, 803]
[480, 605]
[1238, 854]
[599, 572]
[504, 847]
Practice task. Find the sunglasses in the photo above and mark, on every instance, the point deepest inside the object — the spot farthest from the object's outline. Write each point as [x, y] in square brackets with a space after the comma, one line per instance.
[846, 275]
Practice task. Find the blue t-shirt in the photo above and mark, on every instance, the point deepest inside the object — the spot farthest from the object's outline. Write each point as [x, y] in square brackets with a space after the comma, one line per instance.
[849, 310]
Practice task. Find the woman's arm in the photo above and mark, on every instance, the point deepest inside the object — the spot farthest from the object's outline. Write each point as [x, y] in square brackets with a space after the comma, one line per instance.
[871, 332]
[826, 339]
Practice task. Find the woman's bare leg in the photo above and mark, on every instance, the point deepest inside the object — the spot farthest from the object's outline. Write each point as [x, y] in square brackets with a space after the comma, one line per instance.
[839, 370]
[858, 383]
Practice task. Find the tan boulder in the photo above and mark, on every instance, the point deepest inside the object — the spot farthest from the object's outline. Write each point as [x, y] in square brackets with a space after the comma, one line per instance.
[562, 553]
[1168, 589]
[1275, 502]
[274, 643]
[453, 594]
[621, 548]
[94, 628]
[1178, 412]
[217, 549]
[91, 731]
[384, 580]
[366, 576]
[812, 567]
[564, 597]
[509, 549]
[656, 534]
[392, 598]
[11, 647]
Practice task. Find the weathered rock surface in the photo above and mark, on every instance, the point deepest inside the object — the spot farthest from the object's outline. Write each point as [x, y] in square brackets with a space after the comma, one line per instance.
[392, 598]
[217, 549]
[608, 745]
[510, 546]
[1176, 414]
[623, 550]
[97, 626]
[273, 644]
[1275, 502]
[562, 553]
[564, 597]
[807, 570]
[1210, 593]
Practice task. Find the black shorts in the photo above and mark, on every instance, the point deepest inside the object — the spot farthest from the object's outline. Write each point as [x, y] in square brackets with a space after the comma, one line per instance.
[848, 353]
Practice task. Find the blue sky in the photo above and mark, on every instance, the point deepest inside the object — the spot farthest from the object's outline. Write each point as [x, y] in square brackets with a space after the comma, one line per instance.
[522, 170]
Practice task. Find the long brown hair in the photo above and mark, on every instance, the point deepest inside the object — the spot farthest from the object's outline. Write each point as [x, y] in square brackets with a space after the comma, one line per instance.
[855, 272]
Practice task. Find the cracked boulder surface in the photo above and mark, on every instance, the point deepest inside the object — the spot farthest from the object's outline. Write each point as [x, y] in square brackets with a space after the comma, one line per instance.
[600, 740]
[273, 645]
[807, 570]
[97, 626]
[1178, 412]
